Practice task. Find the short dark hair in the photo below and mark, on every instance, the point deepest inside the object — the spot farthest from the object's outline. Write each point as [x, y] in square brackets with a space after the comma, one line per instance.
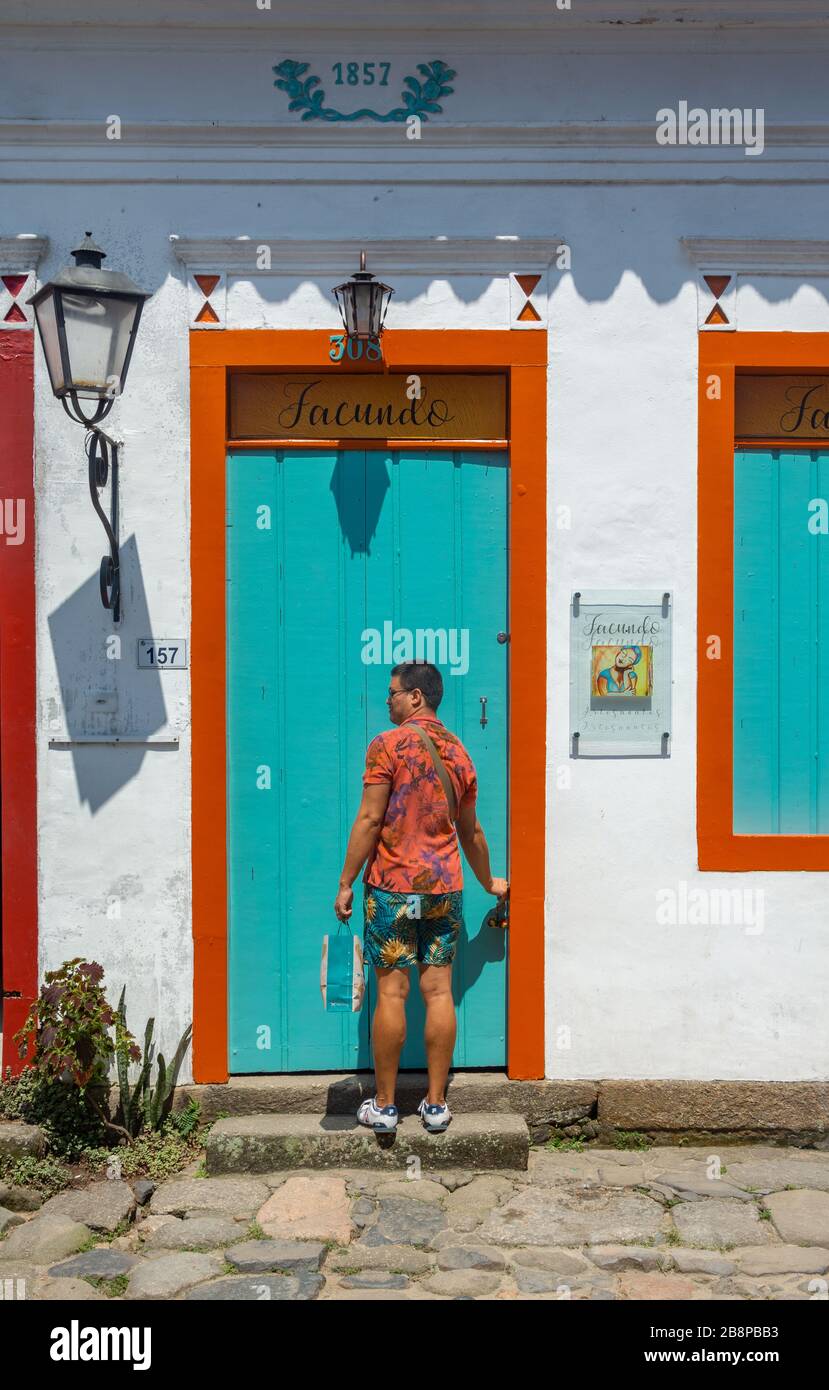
[422, 676]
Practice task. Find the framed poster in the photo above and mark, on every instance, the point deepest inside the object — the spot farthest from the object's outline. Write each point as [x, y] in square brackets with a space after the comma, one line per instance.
[620, 674]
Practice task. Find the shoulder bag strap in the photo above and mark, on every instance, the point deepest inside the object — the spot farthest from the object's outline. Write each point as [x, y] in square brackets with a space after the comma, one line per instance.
[440, 769]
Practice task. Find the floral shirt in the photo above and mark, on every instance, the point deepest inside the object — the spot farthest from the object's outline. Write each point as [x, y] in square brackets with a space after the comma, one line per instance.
[417, 850]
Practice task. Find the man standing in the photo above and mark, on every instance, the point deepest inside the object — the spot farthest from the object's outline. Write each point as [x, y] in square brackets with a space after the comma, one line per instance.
[419, 793]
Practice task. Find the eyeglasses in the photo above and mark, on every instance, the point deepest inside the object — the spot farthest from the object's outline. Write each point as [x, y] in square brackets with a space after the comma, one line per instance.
[392, 693]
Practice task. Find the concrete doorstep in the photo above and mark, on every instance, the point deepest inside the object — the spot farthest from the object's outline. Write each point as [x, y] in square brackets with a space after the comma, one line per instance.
[267, 1143]
[668, 1112]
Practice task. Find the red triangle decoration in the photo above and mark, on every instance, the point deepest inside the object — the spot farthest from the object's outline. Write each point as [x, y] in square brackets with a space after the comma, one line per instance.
[717, 284]
[528, 282]
[207, 283]
[15, 315]
[207, 314]
[14, 284]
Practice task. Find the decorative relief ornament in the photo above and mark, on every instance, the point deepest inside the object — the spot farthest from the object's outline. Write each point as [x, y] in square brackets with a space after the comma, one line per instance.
[419, 98]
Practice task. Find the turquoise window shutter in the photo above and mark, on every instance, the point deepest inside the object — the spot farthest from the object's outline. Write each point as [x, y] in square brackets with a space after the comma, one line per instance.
[781, 638]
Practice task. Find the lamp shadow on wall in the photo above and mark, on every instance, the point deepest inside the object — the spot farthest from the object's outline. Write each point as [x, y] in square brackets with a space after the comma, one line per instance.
[358, 510]
[103, 693]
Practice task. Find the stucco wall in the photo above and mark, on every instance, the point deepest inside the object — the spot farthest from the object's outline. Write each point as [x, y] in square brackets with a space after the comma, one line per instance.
[625, 996]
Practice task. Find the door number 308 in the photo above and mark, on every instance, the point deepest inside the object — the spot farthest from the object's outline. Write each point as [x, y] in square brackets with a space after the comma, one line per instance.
[342, 344]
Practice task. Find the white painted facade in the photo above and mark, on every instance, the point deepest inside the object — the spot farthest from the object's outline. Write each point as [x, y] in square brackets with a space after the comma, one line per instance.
[548, 137]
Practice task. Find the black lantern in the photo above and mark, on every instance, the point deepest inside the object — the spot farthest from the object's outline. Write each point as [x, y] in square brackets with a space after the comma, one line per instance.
[87, 318]
[363, 302]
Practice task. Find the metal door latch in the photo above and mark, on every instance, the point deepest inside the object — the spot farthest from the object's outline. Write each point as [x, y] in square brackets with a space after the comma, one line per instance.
[484, 720]
[502, 637]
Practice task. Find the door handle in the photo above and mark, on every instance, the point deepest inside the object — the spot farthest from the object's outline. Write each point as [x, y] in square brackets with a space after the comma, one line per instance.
[484, 720]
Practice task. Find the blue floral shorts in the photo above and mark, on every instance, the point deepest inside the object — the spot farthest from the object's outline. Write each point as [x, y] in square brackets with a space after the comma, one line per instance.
[403, 929]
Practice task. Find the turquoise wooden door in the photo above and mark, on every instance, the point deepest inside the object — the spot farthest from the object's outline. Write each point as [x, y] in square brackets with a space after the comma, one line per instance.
[324, 550]
[781, 632]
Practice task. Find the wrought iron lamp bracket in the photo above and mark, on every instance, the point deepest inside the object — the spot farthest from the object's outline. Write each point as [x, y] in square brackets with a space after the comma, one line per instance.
[102, 454]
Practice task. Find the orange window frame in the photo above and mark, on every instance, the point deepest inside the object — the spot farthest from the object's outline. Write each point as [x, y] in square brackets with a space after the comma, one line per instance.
[723, 355]
[523, 357]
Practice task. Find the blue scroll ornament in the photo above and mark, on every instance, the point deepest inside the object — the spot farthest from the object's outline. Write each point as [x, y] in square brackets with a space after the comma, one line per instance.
[420, 99]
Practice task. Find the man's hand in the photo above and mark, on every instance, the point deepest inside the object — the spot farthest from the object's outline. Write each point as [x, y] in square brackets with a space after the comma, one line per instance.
[342, 904]
[499, 887]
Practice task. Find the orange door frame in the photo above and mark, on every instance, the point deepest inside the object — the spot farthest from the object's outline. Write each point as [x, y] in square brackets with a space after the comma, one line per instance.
[721, 356]
[523, 356]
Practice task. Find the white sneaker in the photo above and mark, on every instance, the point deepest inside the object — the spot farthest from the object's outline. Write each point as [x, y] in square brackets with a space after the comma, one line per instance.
[435, 1117]
[383, 1120]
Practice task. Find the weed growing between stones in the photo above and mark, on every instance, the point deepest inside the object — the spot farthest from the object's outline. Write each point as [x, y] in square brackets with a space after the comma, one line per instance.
[631, 1139]
[113, 1288]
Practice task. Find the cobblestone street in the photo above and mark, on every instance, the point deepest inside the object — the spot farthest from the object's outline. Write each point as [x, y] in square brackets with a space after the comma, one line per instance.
[601, 1224]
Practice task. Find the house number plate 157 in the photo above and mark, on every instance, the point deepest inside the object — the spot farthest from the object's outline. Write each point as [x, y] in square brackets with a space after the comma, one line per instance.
[165, 653]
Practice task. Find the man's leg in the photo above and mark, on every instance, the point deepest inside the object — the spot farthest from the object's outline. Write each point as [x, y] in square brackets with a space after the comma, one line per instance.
[388, 1030]
[441, 1027]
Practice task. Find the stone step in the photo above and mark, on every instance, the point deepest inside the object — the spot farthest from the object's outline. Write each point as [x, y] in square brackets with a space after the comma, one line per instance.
[469, 1092]
[268, 1143]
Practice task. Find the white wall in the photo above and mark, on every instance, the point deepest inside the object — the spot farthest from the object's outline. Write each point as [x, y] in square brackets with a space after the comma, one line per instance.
[639, 1000]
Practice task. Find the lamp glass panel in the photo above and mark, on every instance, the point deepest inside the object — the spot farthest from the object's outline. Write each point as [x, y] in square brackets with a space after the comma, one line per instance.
[347, 306]
[363, 301]
[48, 325]
[97, 337]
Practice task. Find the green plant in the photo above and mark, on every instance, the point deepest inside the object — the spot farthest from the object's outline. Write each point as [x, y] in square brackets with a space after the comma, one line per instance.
[151, 1154]
[559, 1145]
[630, 1139]
[48, 1175]
[10, 1096]
[60, 1108]
[69, 1024]
[113, 1288]
[147, 1106]
[185, 1121]
[67, 1031]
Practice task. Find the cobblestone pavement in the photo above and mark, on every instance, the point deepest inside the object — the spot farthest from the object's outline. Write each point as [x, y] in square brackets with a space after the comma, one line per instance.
[749, 1222]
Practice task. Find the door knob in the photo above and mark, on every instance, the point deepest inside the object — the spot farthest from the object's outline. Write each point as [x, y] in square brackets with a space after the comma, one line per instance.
[502, 637]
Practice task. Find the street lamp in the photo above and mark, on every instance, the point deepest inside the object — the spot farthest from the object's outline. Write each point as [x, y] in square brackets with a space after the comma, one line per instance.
[363, 303]
[87, 318]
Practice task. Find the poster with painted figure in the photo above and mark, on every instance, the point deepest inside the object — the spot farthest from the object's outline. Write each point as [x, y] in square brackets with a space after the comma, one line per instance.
[622, 671]
[620, 674]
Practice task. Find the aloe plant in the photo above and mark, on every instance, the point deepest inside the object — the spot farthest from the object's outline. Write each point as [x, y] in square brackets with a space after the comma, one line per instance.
[147, 1106]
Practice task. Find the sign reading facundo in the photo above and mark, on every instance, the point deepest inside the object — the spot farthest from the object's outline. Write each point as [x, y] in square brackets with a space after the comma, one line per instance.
[620, 674]
[361, 405]
[773, 407]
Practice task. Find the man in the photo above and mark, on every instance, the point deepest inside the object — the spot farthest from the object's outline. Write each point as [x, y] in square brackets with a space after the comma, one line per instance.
[413, 904]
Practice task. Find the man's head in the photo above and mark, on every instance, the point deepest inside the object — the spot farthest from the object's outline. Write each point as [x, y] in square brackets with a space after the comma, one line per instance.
[415, 687]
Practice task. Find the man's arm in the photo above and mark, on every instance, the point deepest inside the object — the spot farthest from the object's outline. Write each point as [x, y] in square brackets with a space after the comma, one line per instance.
[474, 845]
[368, 823]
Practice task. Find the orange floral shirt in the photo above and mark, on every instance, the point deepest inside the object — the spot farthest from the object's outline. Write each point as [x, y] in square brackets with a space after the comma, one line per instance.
[417, 851]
